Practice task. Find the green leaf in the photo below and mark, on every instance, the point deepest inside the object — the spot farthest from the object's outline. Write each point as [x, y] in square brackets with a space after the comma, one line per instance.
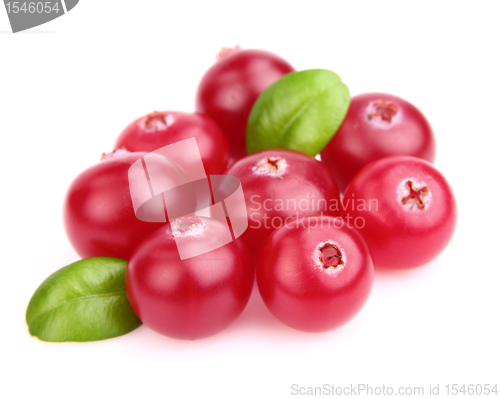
[301, 111]
[84, 301]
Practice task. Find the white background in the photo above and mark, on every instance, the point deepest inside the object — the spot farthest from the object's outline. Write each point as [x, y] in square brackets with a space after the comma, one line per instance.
[70, 86]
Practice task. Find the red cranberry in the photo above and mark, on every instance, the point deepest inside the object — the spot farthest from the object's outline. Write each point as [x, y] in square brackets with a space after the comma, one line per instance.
[404, 208]
[159, 129]
[315, 274]
[99, 215]
[230, 87]
[377, 125]
[280, 185]
[194, 297]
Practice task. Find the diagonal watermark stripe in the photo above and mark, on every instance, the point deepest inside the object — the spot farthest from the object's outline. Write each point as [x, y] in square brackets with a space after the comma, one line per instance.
[170, 184]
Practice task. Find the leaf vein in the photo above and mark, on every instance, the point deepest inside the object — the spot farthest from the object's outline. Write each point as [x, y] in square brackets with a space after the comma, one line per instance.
[82, 298]
[298, 113]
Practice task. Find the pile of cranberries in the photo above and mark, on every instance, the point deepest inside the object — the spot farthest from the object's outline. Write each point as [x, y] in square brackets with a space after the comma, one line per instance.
[316, 226]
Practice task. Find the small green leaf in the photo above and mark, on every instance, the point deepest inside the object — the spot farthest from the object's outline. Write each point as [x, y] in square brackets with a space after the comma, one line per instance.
[301, 111]
[84, 301]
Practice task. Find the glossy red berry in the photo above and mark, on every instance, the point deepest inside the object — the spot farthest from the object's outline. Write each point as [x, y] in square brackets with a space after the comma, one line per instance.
[404, 208]
[159, 129]
[315, 274]
[230, 87]
[98, 213]
[194, 297]
[280, 185]
[377, 125]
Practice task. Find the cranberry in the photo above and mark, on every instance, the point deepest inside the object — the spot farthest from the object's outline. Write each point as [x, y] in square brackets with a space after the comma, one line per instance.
[99, 215]
[280, 185]
[404, 208]
[190, 298]
[315, 274]
[159, 129]
[230, 87]
[377, 125]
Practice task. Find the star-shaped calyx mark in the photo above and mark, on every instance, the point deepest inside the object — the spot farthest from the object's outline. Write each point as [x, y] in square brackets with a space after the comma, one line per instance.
[155, 120]
[415, 195]
[383, 111]
[330, 256]
[271, 166]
